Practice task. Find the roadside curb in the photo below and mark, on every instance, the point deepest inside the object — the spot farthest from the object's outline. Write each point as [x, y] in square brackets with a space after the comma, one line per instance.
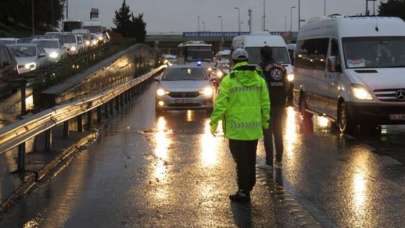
[34, 178]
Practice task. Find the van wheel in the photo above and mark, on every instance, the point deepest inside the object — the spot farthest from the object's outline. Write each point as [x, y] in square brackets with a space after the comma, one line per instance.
[344, 124]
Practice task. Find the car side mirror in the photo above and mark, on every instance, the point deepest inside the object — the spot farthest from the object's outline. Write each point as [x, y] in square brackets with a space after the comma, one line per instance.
[333, 64]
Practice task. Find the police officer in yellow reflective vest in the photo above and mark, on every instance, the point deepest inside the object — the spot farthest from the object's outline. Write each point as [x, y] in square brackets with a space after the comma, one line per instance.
[243, 105]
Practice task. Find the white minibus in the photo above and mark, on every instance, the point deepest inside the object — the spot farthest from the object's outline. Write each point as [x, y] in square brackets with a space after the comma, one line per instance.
[352, 69]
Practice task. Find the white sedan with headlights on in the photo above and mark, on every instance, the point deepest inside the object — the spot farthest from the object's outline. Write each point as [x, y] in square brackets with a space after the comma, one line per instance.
[52, 47]
[29, 57]
[185, 87]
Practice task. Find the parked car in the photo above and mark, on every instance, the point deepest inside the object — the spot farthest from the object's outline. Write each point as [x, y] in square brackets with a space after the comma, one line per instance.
[52, 47]
[8, 64]
[29, 57]
[185, 87]
[352, 70]
[7, 41]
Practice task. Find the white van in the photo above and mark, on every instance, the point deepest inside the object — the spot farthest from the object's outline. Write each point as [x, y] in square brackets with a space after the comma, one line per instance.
[352, 69]
[252, 43]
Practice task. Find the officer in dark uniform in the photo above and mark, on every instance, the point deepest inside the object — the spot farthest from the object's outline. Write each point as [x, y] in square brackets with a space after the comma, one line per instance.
[277, 83]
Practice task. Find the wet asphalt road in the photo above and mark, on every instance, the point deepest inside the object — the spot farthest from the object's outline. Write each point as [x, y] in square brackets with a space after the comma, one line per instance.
[168, 171]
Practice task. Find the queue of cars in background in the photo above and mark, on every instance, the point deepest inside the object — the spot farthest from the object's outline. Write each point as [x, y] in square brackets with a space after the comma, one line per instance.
[27, 54]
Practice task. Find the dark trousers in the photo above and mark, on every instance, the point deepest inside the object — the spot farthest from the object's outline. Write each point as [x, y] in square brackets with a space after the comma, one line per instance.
[275, 132]
[244, 154]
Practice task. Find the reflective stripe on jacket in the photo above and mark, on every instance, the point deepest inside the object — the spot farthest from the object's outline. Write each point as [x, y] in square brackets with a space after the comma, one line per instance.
[243, 104]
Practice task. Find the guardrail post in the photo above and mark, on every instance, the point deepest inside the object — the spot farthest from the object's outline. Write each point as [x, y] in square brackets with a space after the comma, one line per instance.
[23, 94]
[89, 120]
[80, 123]
[117, 103]
[21, 158]
[66, 129]
[48, 140]
[111, 104]
[99, 115]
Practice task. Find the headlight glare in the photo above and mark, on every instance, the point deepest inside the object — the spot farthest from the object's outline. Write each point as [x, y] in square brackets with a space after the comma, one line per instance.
[361, 93]
[161, 92]
[207, 92]
[54, 55]
[30, 66]
[220, 74]
[290, 77]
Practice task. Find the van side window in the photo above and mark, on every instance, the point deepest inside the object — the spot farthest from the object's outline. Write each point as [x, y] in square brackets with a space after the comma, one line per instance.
[311, 54]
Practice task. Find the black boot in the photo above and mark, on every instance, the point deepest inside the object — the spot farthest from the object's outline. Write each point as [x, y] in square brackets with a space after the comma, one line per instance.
[240, 197]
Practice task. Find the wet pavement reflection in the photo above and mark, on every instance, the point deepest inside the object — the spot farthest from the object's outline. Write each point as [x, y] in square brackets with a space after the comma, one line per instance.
[169, 171]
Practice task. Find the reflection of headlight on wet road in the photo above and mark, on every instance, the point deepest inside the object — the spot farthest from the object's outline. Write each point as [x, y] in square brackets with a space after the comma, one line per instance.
[290, 77]
[207, 92]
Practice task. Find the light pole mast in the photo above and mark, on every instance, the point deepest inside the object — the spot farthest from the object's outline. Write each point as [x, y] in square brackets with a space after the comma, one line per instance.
[291, 18]
[239, 23]
[264, 15]
[299, 15]
[250, 20]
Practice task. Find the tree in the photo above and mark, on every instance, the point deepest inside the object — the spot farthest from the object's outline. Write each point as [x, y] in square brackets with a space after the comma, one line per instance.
[393, 8]
[138, 28]
[17, 13]
[122, 19]
[129, 25]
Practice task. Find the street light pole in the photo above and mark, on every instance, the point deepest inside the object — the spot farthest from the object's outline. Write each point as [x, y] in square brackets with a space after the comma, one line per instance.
[264, 15]
[221, 23]
[299, 15]
[324, 8]
[239, 24]
[291, 17]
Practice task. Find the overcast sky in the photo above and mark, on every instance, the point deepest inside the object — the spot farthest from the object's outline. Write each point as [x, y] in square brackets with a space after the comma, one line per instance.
[181, 15]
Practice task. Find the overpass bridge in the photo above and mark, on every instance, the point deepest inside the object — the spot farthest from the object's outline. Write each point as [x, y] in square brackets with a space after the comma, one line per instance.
[168, 42]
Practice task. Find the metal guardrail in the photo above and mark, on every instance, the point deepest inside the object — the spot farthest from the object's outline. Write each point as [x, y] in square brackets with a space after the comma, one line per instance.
[17, 134]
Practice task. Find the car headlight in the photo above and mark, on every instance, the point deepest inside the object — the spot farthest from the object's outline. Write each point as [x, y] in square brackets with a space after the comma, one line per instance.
[220, 74]
[30, 66]
[207, 92]
[88, 43]
[361, 93]
[209, 69]
[54, 55]
[290, 77]
[73, 48]
[94, 42]
[100, 38]
[161, 92]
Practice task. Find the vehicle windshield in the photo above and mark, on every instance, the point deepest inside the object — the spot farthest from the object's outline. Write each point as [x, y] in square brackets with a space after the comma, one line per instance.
[47, 43]
[185, 74]
[24, 51]
[94, 29]
[280, 55]
[69, 39]
[374, 52]
[198, 54]
[5, 42]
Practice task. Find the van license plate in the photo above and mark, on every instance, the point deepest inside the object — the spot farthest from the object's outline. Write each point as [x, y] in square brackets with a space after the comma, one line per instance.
[397, 117]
